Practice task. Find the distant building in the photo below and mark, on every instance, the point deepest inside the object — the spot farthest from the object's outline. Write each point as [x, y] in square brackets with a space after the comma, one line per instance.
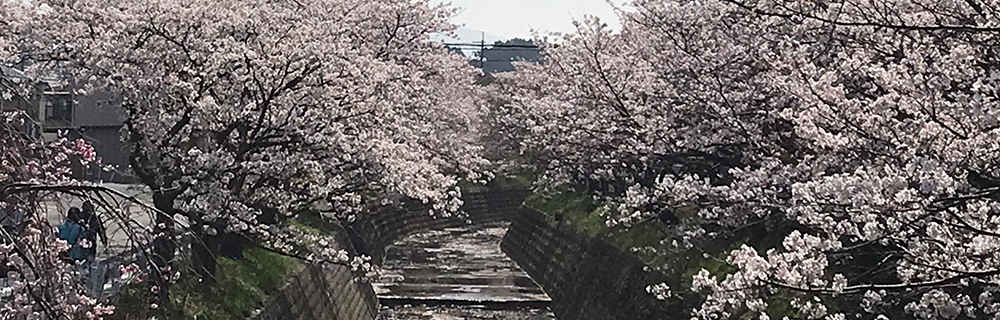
[501, 55]
[99, 119]
[486, 79]
[54, 107]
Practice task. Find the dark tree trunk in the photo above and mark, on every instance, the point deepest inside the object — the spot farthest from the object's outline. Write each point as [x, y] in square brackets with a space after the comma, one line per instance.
[202, 257]
[163, 246]
[231, 245]
[205, 249]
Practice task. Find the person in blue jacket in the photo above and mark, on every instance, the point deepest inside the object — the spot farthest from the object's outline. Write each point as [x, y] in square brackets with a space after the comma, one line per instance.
[73, 231]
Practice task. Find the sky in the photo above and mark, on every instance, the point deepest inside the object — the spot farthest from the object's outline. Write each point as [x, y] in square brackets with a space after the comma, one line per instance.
[516, 18]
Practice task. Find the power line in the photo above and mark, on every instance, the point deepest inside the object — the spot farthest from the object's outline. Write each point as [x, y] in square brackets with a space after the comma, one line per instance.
[479, 45]
[502, 49]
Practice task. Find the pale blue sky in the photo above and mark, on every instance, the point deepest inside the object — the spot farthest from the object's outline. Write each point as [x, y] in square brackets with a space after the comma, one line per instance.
[516, 18]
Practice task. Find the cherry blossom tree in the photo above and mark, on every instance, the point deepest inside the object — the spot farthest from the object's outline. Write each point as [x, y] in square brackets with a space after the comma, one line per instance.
[868, 126]
[241, 115]
[38, 281]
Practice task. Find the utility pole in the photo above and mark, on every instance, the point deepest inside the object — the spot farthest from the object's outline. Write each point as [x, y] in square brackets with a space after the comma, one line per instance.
[482, 52]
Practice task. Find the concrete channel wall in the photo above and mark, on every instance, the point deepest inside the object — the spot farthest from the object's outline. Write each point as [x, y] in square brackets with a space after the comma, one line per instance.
[321, 294]
[317, 293]
[587, 279]
[335, 294]
[377, 230]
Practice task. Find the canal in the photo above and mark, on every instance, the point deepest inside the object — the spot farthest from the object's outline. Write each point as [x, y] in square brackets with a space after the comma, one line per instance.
[457, 273]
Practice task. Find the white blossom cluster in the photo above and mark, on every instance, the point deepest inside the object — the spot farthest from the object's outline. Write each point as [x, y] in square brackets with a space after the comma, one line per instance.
[241, 106]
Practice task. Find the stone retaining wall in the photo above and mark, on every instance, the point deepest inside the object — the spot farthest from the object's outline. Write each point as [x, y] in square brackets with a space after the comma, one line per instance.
[587, 279]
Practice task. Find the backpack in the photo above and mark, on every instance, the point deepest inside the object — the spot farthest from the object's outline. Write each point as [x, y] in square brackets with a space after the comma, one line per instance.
[72, 232]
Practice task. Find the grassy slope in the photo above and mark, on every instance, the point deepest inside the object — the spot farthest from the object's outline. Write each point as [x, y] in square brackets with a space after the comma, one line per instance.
[241, 286]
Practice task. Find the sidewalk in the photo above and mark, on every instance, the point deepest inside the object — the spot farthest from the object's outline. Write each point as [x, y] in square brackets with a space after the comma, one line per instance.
[118, 240]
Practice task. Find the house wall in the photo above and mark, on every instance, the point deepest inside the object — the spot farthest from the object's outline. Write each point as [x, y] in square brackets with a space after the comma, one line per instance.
[98, 109]
[112, 151]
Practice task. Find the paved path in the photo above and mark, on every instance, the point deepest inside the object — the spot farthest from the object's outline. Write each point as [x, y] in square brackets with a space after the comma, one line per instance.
[457, 273]
[55, 211]
[101, 279]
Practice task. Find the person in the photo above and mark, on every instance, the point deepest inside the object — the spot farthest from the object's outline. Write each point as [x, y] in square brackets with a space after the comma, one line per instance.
[73, 232]
[11, 225]
[11, 218]
[95, 228]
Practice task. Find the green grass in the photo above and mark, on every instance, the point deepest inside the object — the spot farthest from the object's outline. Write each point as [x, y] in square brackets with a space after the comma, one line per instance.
[576, 209]
[241, 285]
[588, 216]
[470, 187]
[313, 222]
[713, 261]
[512, 181]
[501, 182]
[240, 288]
[585, 215]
